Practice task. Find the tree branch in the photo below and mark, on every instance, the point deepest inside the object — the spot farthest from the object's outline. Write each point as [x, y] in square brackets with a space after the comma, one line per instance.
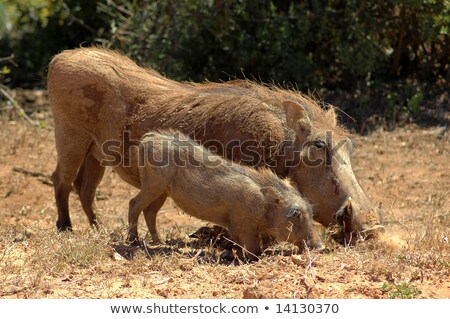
[16, 106]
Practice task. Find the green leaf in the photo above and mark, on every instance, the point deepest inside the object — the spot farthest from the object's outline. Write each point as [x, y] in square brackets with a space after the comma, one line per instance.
[5, 70]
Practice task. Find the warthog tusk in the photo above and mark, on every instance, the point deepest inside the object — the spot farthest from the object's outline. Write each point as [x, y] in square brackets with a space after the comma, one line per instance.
[349, 209]
[348, 215]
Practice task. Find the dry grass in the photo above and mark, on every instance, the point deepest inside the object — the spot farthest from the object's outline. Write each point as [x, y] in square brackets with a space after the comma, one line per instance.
[407, 169]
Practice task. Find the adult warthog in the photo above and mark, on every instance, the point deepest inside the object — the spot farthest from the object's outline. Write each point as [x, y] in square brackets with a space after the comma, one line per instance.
[103, 103]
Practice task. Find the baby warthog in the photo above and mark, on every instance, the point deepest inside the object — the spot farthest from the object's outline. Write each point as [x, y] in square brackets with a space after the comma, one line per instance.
[250, 203]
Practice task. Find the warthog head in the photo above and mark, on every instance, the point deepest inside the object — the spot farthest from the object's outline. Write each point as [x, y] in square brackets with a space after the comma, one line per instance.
[290, 218]
[324, 174]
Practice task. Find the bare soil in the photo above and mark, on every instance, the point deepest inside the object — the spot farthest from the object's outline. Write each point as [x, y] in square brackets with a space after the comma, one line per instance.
[406, 169]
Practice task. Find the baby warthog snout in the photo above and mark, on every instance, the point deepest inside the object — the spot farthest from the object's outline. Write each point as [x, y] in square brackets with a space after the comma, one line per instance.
[314, 242]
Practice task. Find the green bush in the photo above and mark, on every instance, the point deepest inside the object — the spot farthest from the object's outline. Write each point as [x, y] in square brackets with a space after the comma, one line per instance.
[393, 49]
[40, 29]
[401, 291]
[313, 44]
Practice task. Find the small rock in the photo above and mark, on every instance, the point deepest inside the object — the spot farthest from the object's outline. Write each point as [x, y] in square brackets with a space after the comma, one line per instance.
[251, 293]
[164, 280]
[29, 233]
[297, 260]
[117, 257]
[18, 263]
[40, 116]
[19, 237]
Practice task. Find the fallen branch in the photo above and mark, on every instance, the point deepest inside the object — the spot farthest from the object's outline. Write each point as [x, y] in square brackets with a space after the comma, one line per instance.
[43, 178]
[16, 106]
[47, 180]
[11, 292]
[9, 59]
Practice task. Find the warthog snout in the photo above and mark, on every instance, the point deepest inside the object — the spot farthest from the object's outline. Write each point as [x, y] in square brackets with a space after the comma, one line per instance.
[354, 223]
[373, 232]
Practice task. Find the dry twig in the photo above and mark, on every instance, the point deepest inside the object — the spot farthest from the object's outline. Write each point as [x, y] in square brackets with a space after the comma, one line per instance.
[43, 178]
[4, 90]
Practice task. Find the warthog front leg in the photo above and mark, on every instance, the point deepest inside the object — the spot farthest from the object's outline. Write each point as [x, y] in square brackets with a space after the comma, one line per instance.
[248, 239]
[142, 201]
[150, 217]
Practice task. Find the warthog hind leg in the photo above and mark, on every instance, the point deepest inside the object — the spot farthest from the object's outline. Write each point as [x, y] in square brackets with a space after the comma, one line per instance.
[88, 178]
[71, 153]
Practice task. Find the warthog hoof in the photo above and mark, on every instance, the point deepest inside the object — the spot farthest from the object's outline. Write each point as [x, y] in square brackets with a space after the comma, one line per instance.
[133, 242]
[227, 255]
[63, 226]
[231, 255]
[216, 235]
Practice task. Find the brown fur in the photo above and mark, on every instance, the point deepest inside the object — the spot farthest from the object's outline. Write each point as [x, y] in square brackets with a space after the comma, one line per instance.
[249, 203]
[97, 94]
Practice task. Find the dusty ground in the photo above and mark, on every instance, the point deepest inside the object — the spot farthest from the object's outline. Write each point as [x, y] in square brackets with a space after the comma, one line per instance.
[406, 169]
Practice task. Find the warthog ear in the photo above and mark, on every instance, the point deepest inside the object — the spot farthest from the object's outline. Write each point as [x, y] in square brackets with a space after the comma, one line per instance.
[296, 118]
[271, 195]
[331, 114]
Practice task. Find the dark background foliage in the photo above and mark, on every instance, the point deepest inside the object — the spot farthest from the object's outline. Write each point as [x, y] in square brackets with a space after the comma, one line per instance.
[388, 58]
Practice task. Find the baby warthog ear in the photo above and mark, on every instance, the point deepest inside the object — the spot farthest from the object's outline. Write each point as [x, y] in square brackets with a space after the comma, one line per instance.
[296, 118]
[271, 195]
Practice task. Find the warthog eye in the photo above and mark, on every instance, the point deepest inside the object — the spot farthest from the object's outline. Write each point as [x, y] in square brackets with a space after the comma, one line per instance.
[319, 144]
[294, 212]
